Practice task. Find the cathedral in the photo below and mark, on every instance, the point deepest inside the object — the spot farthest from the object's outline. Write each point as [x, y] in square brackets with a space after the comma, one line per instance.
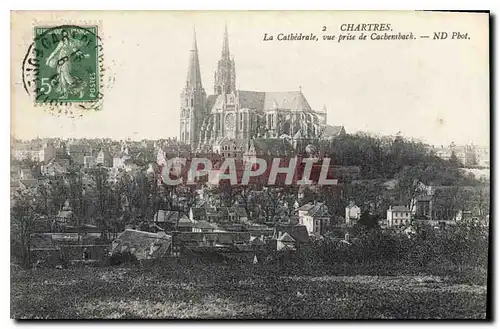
[238, 116]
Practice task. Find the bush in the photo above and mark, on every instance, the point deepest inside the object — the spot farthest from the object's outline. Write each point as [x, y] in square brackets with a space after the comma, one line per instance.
[122, 258]
[457, 250]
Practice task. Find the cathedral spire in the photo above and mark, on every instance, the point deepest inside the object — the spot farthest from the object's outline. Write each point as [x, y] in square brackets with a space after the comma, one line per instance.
[194, 76]
[225, 76]
[225, 45]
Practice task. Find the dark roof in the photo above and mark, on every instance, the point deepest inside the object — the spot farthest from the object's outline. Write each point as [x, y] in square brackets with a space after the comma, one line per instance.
[275, 146]
[76, 148]
[230, 237]
[198, 212]
[285, 237]
[252, 99]
[400, 208]
[332, 131]
[292, 100]
[184, 221]
[141, 241]
[257, 100]
[297, 232]
[211, 211]
[316, 209]
[227, 211]
[167, 216]
[29, 182]
[220, 237]
[306, 207]
[205, 225]
[136, 235]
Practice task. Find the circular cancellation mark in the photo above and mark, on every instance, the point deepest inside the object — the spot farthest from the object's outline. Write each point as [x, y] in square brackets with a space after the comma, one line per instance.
[63, 69]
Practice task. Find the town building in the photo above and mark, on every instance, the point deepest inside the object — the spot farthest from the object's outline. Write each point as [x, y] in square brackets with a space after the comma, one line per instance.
[398, 216]
[315, 217]
[352, 214]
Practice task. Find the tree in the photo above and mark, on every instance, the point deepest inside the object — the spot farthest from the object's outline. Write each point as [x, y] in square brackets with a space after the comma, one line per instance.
[23, 220]
[367, 220]
[454, 162]
[409, 184]
[447, 202]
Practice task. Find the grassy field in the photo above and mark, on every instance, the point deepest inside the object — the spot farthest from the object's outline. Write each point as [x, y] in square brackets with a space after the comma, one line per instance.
[238, 291]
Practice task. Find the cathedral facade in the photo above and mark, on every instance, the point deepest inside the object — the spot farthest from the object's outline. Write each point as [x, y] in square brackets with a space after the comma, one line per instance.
[238, 116]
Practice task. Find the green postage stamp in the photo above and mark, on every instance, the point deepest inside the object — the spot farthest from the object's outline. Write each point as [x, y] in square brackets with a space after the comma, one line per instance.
[68, 64]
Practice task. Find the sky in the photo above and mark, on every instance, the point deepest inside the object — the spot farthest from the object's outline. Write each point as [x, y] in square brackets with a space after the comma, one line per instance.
[433, 90]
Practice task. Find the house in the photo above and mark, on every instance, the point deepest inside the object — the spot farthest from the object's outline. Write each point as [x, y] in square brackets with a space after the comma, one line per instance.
[212, 214]
[55, 168]
[89, 161]
[426, 205]
[315, 217]
[197, 214]
[144, 245]
[227, 214]
[422, 205]
[78, 152]
[118, 162]
[22, 151]
[104, 158]
[398, 216]
[167, 219]
[65, 216]
[259, 229]
[163, 216]
[282, 241]
[204, 226]
[241, 214]
[352, 214]
[257, 242]
[185, 224]
[229, 148]
[297, 232]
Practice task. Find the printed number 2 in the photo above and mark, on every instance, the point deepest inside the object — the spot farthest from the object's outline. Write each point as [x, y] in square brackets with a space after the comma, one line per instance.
[45, 82]
[323, 28]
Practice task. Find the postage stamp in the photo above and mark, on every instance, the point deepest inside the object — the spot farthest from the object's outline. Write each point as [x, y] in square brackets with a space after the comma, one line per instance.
[68, 64]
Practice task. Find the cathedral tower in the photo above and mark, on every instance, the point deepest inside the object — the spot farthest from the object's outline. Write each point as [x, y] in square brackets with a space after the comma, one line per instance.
[192, 100]
[225, 76]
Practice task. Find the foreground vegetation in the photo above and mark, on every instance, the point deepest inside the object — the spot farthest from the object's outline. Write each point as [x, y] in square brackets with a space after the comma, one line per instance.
[191, 290]
[432, 274]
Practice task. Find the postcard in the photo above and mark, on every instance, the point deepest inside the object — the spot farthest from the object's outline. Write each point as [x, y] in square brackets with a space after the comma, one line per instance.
[250, 165]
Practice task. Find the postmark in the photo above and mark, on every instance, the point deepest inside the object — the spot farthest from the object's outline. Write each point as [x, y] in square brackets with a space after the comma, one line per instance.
[63, 69]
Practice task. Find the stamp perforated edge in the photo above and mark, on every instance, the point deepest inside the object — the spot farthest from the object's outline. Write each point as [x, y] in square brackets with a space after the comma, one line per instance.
[73, 108]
